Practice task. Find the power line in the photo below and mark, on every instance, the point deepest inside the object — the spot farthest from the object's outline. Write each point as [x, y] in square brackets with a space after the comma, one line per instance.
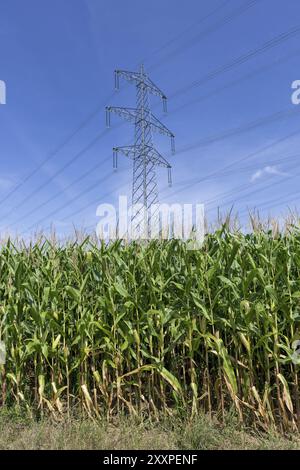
[238, 61]
[213, 174]
[59, 193]
[77, 211]
[63, 206]
[52, 155]
[58, 172]
[55, 151]
[183, 32]
[279, 199]
[204, 142]
[236, 82]
[212, 29]
[95, 201]
[243, 169]
[232, 164]
[242, 187]
[209, 201]
[241, 129]
[270, 204]
[62, 144]
[255, 191]
[76, 181]
[227, 167]
[87, 120]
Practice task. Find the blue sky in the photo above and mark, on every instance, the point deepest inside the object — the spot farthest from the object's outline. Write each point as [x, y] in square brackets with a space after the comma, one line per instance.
[57, 60]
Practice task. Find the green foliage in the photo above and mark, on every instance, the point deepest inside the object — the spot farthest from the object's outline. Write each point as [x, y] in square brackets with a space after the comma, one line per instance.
[141, 328]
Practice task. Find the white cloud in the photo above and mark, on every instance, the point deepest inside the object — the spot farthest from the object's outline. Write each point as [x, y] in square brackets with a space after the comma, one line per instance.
[267, 170]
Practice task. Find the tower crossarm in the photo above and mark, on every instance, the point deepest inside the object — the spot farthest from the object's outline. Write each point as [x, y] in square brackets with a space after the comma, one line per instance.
[154, 89]
[151, 154]
[160, 127]
[132, 77]
[157, 159]
[127, 150]
[139, 78]
[145, 157]
[129, 114]
[133, 115]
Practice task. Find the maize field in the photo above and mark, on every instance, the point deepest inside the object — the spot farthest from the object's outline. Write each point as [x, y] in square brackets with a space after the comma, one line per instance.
[145, 329]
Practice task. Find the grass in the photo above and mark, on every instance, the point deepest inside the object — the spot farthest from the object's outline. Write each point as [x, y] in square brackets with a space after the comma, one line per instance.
[142, 330]
[18, 432]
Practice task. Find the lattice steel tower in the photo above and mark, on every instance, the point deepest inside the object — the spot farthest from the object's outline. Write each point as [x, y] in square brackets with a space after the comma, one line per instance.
[145, 156]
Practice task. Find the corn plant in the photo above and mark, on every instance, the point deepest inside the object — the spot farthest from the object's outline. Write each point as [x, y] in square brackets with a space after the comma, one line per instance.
[155, 327]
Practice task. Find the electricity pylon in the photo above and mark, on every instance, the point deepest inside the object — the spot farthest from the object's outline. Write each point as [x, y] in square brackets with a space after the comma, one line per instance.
[145, 157]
